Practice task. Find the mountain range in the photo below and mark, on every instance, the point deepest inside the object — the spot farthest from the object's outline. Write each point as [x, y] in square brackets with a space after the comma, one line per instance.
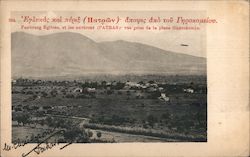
[70, 54]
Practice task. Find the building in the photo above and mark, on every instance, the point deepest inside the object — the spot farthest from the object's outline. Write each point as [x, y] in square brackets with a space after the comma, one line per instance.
[77, 90]
[188, 90]
[90, 90]
[164, 97]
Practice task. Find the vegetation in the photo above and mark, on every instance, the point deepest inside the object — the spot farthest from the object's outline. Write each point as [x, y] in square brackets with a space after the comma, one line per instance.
[146, 132]
[99, 134]
[113, 106]
[23, 118]
[76, 135]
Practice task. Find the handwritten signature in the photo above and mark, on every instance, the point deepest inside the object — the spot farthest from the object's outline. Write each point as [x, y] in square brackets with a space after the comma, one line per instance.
[40, 147]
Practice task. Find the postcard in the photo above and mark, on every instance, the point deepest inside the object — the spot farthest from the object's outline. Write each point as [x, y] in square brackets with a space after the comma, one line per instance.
[124, 78]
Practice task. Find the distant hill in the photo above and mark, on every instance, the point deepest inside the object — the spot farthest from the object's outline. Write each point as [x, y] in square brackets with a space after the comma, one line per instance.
[69, 54]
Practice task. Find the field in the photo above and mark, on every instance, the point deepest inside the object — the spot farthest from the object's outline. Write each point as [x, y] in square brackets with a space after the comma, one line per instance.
[155, 110]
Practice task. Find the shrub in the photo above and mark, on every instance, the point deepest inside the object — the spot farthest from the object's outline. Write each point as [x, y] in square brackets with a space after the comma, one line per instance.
[99, 134]
[76, 135]
[29, 92]
[109, 92]
[90, 133]
[151, 120]
[24, 118]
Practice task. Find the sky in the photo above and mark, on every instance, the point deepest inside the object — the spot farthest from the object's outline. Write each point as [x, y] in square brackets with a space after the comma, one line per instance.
[170, 40]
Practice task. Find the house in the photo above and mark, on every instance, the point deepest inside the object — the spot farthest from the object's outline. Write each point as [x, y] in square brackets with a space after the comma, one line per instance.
[90, 90]
[61, 107]
[164, 97]
[154, 85]
[143, 86]
[188, 90]
[37, 118]
[128, 85]
[108, 84]
[77, 90]
[160, 89]
[132, 84]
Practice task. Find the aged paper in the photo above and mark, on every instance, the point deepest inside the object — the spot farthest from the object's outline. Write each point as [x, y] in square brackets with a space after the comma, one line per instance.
[144, 78]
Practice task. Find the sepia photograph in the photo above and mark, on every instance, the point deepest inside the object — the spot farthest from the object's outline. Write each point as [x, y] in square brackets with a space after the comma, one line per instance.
[107, 91]
[127, 78]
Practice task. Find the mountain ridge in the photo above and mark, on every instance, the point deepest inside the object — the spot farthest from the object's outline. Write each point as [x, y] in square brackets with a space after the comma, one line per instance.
[68, 53]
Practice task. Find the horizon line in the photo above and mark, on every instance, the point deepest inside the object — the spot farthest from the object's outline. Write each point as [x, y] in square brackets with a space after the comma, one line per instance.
[204, 57]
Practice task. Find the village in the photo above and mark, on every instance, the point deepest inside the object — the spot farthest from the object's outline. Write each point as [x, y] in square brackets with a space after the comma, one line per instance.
[157, 108]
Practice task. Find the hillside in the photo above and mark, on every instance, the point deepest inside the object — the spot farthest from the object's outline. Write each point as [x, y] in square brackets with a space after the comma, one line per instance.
[69, 54]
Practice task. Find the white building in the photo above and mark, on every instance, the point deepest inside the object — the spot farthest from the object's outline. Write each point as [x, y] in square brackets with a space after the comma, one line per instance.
[160, 89]
[77, 90]
[134, 84]
[188, 90]
[164, 97]
[91, 90]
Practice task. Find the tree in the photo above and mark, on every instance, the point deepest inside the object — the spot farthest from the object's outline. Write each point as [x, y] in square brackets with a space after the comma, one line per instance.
[151, 120]
[141, 82]
[151, 81]
[90, 133]
[32, 138]
[76, 135]
[50, 121]
[109, 92]
[166, 115]
[99, 134]
[58, 122]
[119, 85]
[128, 92]
[42, 122]
[23, 119]
[19, 120]
[44, 94]
[103, 83]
